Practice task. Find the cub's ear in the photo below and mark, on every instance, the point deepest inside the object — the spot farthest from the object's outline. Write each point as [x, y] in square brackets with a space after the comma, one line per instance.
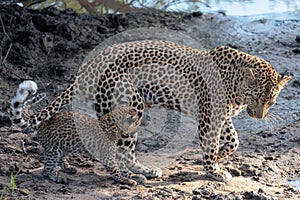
[283, 79]
[249, 75]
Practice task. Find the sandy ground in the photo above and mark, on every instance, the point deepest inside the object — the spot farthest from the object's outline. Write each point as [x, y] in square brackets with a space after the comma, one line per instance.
[269, 151]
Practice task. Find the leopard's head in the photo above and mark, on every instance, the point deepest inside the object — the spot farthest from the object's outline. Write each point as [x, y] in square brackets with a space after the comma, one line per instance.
[261, 87]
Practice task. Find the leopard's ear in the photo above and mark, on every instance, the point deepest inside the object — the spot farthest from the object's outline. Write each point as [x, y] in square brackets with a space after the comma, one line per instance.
[249, 75]
[282, 81]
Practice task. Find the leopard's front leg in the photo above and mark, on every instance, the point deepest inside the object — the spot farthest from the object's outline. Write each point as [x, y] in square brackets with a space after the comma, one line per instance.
[229, 140]
[126, 153]
[209, 135]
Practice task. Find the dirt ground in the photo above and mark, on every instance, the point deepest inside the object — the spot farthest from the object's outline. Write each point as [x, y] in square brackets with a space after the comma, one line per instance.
[48, 47]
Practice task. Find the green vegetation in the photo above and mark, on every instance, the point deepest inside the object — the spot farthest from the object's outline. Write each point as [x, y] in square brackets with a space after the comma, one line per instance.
[13, 187]
[13, 184]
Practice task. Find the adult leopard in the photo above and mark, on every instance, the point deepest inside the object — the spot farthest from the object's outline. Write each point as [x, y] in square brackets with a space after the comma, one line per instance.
[212, 85]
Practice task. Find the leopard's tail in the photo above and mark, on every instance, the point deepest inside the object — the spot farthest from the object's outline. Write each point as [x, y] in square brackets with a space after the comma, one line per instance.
[25, 89]
[20, 103]
[34, 100]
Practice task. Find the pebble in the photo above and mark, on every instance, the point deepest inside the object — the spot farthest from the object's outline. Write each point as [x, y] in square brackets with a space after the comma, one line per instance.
[196, 192]
[236, 172]
[269, 158]
[298, 38]
[124, 187]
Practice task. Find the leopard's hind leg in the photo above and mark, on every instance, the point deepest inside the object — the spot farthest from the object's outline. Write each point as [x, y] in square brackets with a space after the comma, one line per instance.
[229, 139]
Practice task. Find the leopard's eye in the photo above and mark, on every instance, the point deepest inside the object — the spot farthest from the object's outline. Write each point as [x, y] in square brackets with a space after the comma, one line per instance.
[272, 100]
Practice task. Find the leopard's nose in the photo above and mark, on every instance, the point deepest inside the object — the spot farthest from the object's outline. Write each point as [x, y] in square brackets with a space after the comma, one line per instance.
[260, 115]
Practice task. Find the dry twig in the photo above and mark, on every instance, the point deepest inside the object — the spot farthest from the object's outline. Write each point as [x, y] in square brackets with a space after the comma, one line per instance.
[6, 54]
[3, 28]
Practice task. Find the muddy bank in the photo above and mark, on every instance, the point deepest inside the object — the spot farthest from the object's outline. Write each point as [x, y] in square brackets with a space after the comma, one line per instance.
[48, 47]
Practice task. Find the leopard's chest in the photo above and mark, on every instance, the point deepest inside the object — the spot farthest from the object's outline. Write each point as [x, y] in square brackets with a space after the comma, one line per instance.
[236, 105]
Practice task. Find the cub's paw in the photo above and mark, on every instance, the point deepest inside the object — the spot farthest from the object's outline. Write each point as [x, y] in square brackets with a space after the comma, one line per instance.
[51, 175]
[154, 173]
[140, 178]
[69, 170]
[54, 176]
[221, 175]
[127, 182]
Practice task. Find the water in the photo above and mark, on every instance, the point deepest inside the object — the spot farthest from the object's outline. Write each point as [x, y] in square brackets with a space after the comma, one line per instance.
[239, 7]
[295, 183]
[230, 7]
[255, 7]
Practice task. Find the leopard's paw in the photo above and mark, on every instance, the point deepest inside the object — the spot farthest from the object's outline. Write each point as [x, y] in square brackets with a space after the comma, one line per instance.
[221, 175]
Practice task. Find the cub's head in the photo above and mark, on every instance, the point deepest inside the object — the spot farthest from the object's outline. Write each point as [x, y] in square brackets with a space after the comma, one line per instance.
[126, 118]
[261, 86]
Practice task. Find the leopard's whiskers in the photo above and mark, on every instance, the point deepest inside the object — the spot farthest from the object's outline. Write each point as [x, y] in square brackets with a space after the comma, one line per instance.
[271, 123]
[273, 120]
[277, 117]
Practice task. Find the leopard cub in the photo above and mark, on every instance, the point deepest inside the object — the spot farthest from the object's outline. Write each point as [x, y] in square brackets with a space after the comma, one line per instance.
[72, 132]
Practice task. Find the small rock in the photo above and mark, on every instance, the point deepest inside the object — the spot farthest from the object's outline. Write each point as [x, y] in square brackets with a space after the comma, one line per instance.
[196, 192]
[269, 158]
[168, 190]
[124, 187]
[148, 186]
[266, 135]
[260, 190]
[263, 21]
[291, 189]
[196, 198]
[296, 84]
[296, 51]
[258, 151]
[298, 38]
[235, 172]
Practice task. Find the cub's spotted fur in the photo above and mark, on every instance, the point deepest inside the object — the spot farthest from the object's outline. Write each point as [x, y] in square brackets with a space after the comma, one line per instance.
[70, 132]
